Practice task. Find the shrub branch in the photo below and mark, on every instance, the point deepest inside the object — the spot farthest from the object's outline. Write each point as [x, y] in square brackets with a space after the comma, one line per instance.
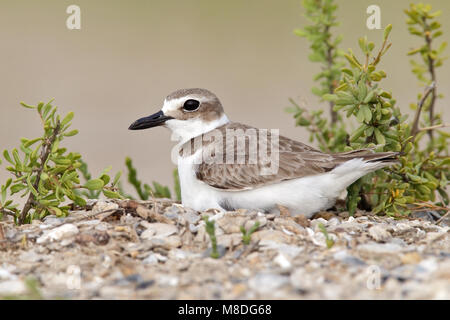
[45, 154]
[415, 128]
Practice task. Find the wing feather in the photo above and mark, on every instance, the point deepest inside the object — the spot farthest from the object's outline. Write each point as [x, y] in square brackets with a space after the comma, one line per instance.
[295, 160]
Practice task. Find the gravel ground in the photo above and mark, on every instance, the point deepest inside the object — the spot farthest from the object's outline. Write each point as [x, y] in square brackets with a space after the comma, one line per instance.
[160, 250]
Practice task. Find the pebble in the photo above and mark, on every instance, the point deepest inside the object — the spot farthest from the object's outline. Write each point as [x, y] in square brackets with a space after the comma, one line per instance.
[168, 243]
[229, 240]
[430, 216]
[5, 274]
[267, 283]
[347, 258]
[167, 280]
[318, 238]
[251, 223]
[379, 233]
[290, 250]
[12, 288]
[179, 254]
[271, 235]
[300, 279]
[51, 221]
[282, 261]
[31, 256]
[231, 224]
[191, 216]
[410, 258]
[154, 258]
[193, 228]
[316, 222]
[101, 206]
[172, 212]
[380, 248]
[58, 233]
[160, 230]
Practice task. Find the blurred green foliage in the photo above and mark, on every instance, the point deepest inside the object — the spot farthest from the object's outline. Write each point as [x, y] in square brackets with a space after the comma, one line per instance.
[423, 171]
[247, 234]
[145, 191]
[47, 174]
[210, 228]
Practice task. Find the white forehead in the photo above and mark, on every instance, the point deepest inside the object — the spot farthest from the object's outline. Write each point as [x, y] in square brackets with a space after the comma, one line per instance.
[174, 104]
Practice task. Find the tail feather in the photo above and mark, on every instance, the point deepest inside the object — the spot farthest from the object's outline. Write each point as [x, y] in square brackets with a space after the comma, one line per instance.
[355, 164]
[368, 155]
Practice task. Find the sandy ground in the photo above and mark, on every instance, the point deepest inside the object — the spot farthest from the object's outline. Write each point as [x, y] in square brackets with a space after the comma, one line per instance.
[160, 250]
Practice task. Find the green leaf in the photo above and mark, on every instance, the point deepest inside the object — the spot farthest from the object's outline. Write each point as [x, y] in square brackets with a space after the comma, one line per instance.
[47, 109]
[79, 201]
[329, 97]
[379, 136]
[387, 31]
[111, 194]
[360, 115]
[369, 97]
[362, 43]
[117, 178]
[358, 133]
[347, 71]
[414, 51]
[56, 211]
[303, 122]
[16, 157]
[70, 133]
[31, 187]
[345, 98]
[444, 196]
[105, 178]
[362, 90]
[4, 190]
[94, 184]
[352, 61]
[300, 32]
[437, 34]
[31, 142]
[67, 119]
[27, 105]
[408, 147]
[7, 157]
[17, 188]
[367, 113]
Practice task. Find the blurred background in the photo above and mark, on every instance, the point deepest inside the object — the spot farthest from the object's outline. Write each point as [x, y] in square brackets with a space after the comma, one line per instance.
[129, 55]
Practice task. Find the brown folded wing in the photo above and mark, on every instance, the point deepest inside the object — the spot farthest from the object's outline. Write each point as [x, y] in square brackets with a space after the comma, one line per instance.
[295, 160]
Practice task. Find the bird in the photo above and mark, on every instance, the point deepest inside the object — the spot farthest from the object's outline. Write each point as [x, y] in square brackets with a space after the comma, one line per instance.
[305, 180]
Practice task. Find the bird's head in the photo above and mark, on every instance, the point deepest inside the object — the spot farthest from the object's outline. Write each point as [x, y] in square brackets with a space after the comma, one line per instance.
[188, 113]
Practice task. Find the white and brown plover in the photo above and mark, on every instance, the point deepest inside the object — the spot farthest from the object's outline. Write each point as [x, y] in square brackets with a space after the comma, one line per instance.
[215, 172]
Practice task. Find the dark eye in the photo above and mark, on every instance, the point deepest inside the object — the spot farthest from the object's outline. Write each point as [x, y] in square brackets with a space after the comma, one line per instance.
[191, 105]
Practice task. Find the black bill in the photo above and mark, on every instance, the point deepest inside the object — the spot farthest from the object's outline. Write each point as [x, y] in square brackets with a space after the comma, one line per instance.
[154, 120]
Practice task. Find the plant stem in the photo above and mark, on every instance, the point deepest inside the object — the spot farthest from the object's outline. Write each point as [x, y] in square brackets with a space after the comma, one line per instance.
[313, 128]
[45, 153]
[442, 125]
[4, 211]
[432, 75]
[415, 126]
[334, 115]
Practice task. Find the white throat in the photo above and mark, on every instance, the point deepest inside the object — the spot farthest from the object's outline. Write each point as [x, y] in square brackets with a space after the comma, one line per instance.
[184, 130]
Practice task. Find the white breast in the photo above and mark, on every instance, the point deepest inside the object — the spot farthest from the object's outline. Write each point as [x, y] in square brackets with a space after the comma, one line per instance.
[195, 193]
